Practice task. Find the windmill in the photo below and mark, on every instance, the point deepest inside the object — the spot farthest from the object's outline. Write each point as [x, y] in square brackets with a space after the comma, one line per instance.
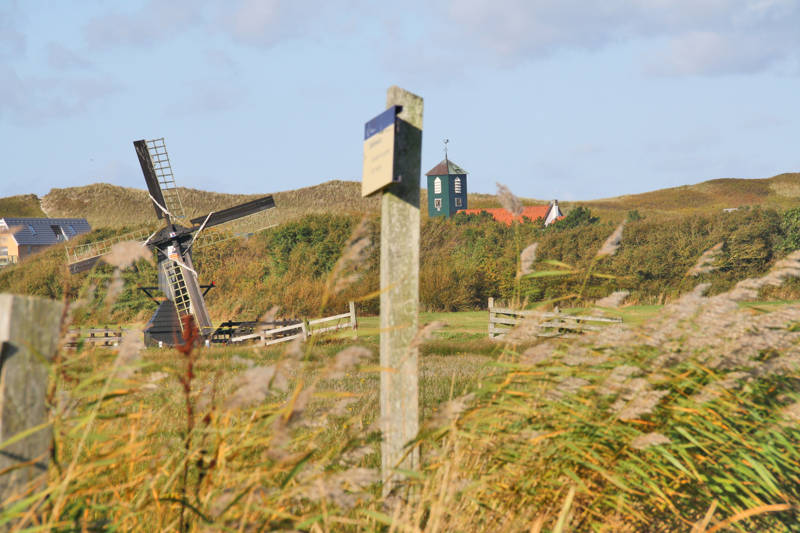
[173, 245]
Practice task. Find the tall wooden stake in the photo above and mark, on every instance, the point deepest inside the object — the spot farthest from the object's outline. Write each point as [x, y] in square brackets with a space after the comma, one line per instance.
[400, 225]
[29, 329]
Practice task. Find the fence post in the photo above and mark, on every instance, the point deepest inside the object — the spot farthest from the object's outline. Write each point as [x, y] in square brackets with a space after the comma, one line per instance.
[29, 329]
[399, 293]
[353, 321]
[491, 316]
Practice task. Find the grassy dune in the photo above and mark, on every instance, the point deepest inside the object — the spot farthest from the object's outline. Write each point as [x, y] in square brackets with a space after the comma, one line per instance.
[25, 205]
[107, 205]
[780, 191]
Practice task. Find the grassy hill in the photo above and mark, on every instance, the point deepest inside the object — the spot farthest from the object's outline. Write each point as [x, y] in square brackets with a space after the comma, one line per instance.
[24, 205]
[780, 192]
[112, 206]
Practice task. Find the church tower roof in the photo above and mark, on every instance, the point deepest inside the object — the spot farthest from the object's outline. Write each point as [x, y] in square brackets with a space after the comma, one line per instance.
[444, 168]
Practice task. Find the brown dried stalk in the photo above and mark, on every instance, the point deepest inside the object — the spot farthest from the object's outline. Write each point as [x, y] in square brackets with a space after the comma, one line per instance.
[612, 243]
[190, 336]
[527, 258]
[705, 264]
[507, 199]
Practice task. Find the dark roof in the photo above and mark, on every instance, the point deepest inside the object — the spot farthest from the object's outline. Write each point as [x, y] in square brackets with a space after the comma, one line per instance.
[444, 168]
[40, 231]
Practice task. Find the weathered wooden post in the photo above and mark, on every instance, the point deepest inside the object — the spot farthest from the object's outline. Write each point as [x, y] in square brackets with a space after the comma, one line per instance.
[353, 320]
[29, 329]
[491, 317]
[392, 164]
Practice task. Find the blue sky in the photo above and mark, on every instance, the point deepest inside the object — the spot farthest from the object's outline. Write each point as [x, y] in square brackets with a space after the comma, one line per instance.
[563, 99]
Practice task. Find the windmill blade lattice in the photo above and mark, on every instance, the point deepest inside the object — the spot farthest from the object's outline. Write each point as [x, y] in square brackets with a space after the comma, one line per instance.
[166, 180]
[83, 256]
[240, 227]
[186, 296]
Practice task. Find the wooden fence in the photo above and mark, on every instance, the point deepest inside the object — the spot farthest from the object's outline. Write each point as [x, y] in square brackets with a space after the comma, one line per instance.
[304, 329]
[101, 336]
[553, 324]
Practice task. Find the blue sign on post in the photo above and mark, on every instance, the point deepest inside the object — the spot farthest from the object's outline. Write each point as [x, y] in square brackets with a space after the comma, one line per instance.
[379, 151]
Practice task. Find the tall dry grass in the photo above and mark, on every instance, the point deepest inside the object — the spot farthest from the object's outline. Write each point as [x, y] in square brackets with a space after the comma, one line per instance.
[687, 422]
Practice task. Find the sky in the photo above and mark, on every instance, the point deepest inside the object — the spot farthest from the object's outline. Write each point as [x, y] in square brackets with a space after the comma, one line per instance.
[566, 99]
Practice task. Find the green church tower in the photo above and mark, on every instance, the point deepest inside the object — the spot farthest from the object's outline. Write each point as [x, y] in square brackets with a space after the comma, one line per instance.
[447, 188]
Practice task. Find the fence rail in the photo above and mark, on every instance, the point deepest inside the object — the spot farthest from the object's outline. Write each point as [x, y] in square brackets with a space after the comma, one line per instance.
[553, 324]
[303, 329]
[102, 336]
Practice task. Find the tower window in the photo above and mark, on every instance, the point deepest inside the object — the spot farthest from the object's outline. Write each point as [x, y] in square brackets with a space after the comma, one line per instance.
[457, 186]
[437, 202]
[458, 202]
[437, 186]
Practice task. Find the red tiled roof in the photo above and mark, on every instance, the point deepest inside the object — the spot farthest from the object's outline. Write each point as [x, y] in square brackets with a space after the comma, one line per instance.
[532, 212]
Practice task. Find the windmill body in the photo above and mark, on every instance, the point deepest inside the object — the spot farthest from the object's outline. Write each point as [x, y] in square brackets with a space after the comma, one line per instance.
[173, 245]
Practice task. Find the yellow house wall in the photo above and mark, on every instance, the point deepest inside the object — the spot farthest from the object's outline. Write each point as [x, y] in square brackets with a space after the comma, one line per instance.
[8, 241]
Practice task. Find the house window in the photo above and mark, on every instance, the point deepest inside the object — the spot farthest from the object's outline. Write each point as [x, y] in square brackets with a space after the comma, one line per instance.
[437, 202]
[58, 231]
[3, 251]
[457, 186]
[458, 202]
[437, 187]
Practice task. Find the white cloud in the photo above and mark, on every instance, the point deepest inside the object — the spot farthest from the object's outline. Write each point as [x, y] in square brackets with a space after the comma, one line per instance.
[257, 21]
[203, 97]
[60, 57]
[703, 36]
[253, 22]
[221, 60]
[12, 41]
[153, 22]
[35, 99]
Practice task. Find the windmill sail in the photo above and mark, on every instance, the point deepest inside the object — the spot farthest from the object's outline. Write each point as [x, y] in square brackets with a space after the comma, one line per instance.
[235, 212]
[173, 244]
[157, 170]
[252, 217]
[184, 291]
[83, 256]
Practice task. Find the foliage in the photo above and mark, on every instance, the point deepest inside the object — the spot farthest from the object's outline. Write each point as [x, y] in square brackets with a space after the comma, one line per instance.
[463, 262]
[576, 217]
[790, 230]
[633, 215]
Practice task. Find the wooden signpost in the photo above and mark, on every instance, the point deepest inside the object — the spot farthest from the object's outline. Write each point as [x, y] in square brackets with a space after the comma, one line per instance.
[400, 227]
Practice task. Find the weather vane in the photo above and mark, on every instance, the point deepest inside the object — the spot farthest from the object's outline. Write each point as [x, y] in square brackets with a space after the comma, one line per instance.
[445, 147]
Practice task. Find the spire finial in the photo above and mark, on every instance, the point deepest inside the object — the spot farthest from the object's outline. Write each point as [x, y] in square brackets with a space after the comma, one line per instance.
[445, 147]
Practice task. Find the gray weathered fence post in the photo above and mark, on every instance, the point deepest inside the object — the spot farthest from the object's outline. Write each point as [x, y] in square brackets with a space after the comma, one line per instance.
[491, 317]
[29, 329]
[353, 320]
[400, 226]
